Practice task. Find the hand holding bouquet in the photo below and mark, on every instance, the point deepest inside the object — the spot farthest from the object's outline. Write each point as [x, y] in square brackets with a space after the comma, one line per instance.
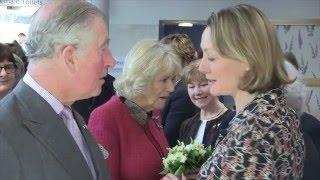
[185, 158]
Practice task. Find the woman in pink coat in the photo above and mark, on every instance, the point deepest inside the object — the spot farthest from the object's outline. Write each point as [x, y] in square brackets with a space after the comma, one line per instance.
[128, 125]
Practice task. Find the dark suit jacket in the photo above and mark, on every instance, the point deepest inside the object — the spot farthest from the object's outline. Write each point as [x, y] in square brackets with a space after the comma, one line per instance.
[86, 106]
[311, 135]
[36, 145]
[189, 128]
[178, 108]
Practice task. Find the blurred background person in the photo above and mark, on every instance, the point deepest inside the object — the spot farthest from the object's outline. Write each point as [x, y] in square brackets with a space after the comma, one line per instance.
[242, 57]
[179, 107]
[128, 126]
[21, 66]
[16, 47]
[205, 126]
[86, 106]
[296, 96]
[296, 92]
[11, 71]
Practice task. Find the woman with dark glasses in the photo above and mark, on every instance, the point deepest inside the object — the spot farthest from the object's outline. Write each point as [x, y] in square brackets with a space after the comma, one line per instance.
[11, 70]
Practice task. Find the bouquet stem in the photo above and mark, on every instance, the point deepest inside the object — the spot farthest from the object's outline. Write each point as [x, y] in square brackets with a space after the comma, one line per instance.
[179, 171]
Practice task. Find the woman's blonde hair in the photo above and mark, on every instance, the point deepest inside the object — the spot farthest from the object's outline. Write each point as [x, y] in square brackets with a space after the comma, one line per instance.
[244, 33]
[145, 60]
[191, 73]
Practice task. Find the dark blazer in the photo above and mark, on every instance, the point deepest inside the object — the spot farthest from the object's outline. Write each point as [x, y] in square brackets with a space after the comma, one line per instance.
[86, 106]
[178, 108]
[36, 145]
[189, 128]
[311, 135]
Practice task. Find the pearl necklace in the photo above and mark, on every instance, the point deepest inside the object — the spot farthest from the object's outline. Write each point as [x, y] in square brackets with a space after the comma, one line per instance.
[214, 116]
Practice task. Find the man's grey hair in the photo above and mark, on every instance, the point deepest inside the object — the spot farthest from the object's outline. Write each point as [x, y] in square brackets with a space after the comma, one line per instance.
[66, 24]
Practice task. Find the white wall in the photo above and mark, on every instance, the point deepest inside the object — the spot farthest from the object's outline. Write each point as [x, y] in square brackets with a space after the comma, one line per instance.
[133, 20]
[10, 25]
[151, 11]
[102, 5]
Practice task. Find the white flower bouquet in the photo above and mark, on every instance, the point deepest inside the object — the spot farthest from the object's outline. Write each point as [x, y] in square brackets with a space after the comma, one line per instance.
[185, 158]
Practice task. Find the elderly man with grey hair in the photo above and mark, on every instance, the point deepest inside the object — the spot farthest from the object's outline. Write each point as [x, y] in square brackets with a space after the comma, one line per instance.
[41, 137]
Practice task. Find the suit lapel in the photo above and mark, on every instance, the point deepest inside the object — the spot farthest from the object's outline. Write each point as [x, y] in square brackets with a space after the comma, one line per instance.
[96, 154]
[48, 128]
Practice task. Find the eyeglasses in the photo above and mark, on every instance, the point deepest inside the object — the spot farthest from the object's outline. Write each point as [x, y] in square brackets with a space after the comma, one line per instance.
[9, 68]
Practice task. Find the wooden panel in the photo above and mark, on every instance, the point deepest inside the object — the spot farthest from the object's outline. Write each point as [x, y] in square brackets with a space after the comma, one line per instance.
[311, 82]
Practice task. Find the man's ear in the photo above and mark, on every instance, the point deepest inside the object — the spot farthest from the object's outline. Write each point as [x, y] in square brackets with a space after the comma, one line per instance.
[69, 57]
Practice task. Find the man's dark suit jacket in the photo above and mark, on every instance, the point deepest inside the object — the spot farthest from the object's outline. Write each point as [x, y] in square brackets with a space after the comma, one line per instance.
[311, 135]
[35, 144]
[178, 108]
[86, 106]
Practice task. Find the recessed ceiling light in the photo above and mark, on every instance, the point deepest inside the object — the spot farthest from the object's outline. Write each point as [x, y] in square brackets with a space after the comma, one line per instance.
[185, 24]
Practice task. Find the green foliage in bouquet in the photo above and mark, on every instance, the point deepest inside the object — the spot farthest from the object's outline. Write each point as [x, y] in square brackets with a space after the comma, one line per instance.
[185, 158]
